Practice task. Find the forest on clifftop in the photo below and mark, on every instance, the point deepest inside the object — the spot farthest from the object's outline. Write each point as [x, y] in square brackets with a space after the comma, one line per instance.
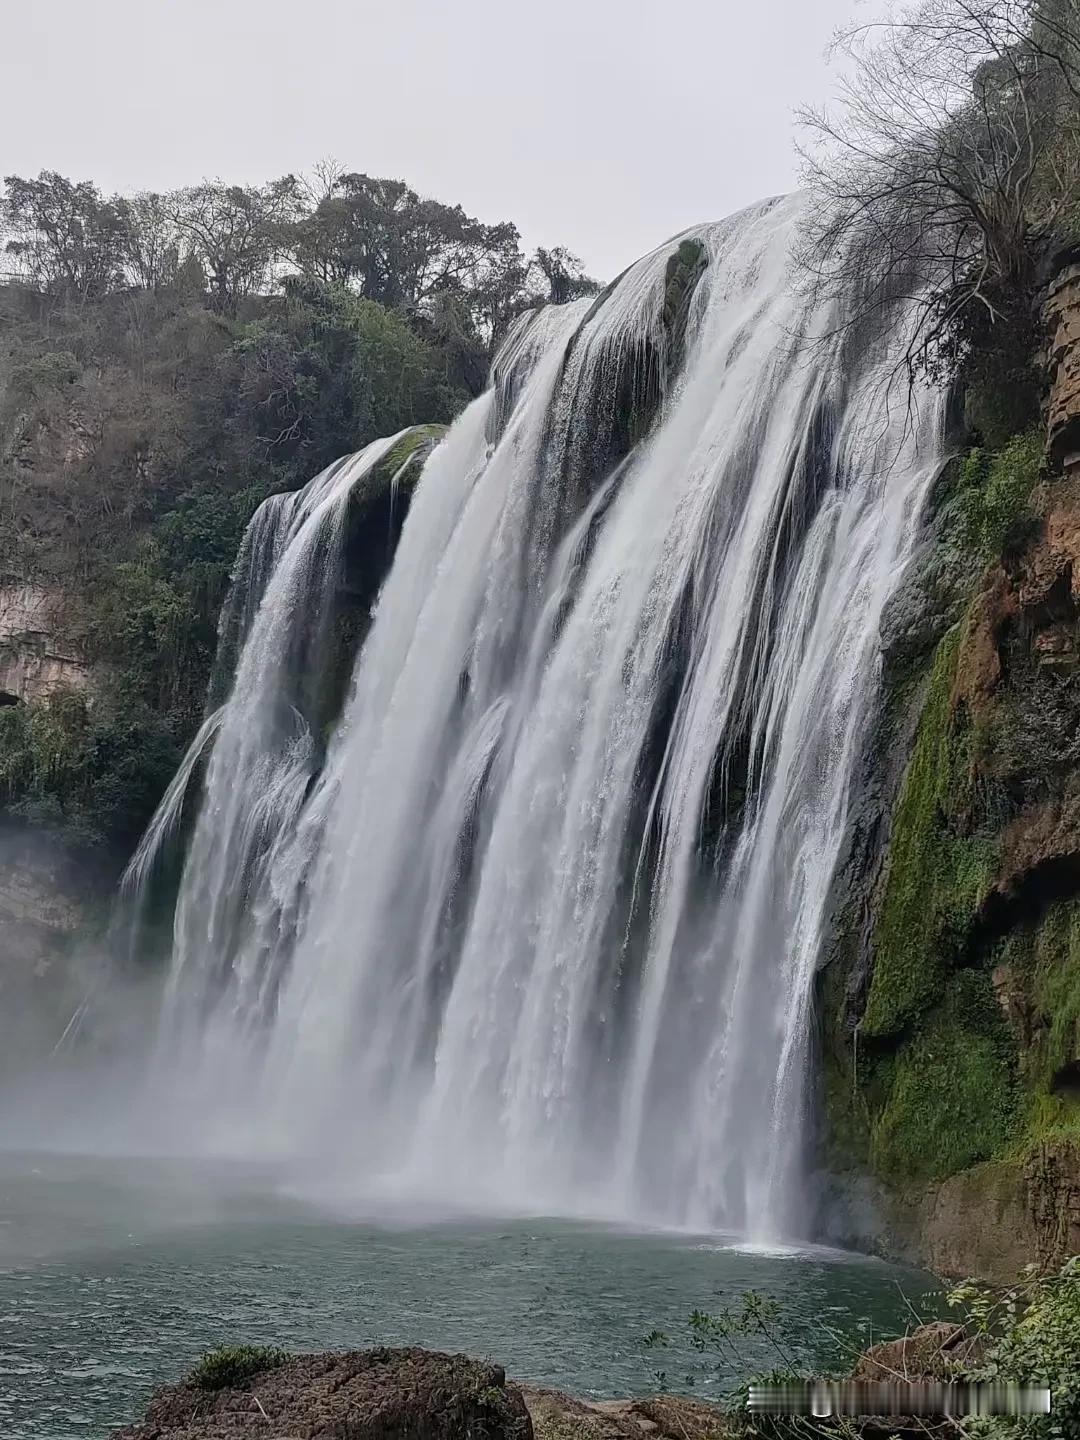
[167, 361]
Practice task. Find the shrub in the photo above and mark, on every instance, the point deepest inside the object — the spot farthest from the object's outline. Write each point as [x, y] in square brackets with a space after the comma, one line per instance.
[1033, 1330]
[994, 490]
[231, 1365]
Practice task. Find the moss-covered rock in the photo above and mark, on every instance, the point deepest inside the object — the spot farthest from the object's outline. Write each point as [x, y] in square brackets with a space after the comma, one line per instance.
[611, 403]
[685, 267]
[936, 875]
[378, 507]
[951, 1021]
[948, 1097]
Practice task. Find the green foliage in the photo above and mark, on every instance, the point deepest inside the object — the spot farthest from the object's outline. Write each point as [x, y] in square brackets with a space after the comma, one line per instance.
[951, 1097]
[92, 774]
[717, 1338]
[935, 876]
[54, 370]
[231, 1365]
[329, 371]
[1050, 973]
[1032, 1332]
[1026, 1334]
[993, 492]
[169, 361]
[200, 535]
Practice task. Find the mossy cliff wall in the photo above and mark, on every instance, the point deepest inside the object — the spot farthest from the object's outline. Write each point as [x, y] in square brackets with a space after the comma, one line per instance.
[950, 1000]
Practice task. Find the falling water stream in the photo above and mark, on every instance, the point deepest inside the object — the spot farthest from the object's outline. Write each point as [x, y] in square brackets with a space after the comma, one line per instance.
[535, 924]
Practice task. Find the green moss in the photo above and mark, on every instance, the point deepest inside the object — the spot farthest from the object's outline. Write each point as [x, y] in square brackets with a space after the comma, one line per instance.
[1045, 964]
[993, 492]
[233, 1364]
[419, 438]
[935, 876]
[685, 267]
[951, 1094]
[90, 773]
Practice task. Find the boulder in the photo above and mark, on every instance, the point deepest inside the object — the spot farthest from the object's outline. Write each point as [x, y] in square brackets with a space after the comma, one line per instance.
[931, 1352]
[383, 1394]
[556, 1416]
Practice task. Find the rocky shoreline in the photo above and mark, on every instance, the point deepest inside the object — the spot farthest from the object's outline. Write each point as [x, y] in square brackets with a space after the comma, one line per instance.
[415, 1394]
[408, 1392]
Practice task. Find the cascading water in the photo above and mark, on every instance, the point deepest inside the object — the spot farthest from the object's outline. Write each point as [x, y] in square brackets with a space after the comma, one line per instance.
[540, 928]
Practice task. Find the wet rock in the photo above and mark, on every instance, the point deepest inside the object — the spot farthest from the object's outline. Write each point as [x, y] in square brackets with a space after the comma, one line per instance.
[979, 667]
[928, 601]
[978, 1223]
[401, 1394]
[1049, 570]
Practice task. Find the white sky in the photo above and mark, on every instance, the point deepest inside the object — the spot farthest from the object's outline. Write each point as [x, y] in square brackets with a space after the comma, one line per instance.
[604, 125]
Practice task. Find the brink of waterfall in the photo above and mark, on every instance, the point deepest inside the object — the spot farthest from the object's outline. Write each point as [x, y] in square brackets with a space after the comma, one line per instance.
[513, 895]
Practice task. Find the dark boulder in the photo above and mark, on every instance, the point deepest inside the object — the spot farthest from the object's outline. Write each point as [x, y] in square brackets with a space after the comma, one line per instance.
[406, 1394]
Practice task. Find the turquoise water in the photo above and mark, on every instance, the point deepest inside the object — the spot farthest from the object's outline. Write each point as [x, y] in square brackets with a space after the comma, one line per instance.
[115, 1276]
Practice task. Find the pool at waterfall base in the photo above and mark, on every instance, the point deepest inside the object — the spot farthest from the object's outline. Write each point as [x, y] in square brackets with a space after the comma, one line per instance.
[116, 1274]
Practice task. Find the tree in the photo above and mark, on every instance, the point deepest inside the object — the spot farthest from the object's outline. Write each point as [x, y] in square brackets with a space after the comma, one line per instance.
[561, 276]
[237, 233]
[65, 238]
[949, 172]
[151, 245]
[381, 238]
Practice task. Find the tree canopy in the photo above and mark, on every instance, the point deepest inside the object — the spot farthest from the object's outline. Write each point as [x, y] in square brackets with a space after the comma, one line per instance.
[167, 361]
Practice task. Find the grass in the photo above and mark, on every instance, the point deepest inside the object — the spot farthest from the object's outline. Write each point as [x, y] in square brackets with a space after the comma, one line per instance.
[231, 1365]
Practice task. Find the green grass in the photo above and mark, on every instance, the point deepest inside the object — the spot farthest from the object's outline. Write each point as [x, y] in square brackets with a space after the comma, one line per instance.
[231, 1365]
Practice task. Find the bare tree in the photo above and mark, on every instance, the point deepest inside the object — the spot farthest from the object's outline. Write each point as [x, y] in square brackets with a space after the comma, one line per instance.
[950, 168]
[237, 233]
[152, 241]
[63, 238]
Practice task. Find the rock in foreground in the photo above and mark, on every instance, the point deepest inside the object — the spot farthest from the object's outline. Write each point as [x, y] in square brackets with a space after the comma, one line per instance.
[556, 1416]
[406, 1394]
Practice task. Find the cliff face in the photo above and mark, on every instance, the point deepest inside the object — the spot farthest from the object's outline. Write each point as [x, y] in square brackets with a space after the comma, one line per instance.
[951, 1000]
[1063, 319]
[37, 657]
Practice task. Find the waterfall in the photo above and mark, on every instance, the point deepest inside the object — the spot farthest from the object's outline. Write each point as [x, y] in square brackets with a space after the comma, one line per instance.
[537, 925]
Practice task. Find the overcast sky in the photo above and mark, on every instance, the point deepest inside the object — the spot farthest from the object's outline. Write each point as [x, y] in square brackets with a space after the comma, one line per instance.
[604, 125]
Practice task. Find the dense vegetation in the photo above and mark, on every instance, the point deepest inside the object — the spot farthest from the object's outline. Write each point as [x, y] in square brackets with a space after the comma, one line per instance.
[168, 361]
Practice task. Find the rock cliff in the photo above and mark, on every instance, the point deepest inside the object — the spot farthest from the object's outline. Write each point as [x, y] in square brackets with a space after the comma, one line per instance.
[951, 1000]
